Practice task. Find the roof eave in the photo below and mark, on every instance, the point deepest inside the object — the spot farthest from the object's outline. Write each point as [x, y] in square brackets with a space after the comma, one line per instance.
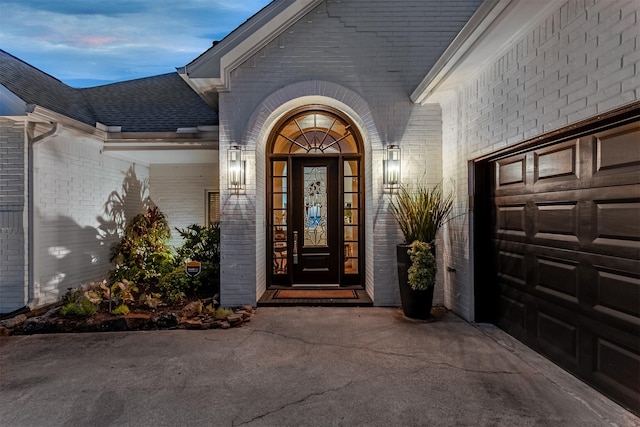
[495, 25]
[459, 47]
[211, 71]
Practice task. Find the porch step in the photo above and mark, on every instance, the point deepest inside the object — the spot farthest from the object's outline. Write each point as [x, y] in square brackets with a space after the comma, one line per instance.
[283, 298]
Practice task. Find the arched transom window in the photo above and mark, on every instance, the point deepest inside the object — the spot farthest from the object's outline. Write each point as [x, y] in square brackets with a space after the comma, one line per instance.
[315, 132]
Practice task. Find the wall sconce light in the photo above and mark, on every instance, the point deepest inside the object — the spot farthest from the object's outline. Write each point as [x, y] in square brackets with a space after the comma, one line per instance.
[236, 169]
[392, 164]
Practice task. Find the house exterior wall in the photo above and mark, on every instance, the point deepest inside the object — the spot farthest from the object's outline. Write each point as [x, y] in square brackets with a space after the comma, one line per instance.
[180, 192]
[363, 56]
[13, 216]
[582, 60]
[83, 196]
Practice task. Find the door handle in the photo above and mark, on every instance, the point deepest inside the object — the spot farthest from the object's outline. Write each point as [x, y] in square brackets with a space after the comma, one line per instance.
[295, 247]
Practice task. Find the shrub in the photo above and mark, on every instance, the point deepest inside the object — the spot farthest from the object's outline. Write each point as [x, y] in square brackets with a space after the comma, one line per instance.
[82, 309]
[422, 273]
[121, 310]
[142, 255]
[222, 312]
[202, 244]
[175, 285]
[421, 211]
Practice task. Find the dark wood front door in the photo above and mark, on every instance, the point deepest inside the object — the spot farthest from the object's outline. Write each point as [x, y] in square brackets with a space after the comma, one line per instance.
[315, 221]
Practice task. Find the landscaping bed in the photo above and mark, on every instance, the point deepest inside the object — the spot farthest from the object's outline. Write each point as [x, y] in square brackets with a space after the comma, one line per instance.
[192, 315]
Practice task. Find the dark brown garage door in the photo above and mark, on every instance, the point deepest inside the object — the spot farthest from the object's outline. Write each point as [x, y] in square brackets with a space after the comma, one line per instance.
[566, 238]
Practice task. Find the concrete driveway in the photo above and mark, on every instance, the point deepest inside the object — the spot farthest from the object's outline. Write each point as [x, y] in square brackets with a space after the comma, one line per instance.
[295, 366]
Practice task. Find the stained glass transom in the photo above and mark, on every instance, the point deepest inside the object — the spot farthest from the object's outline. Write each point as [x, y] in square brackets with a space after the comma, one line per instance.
[315, 133]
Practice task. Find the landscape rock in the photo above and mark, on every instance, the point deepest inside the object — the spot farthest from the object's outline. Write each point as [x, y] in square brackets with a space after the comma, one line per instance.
[165, 319]
[137, 321]
[191, 309]
[14, 321]
[48, 320]
[36, 325]
[194, 324]
[235, 319]
[224, 324]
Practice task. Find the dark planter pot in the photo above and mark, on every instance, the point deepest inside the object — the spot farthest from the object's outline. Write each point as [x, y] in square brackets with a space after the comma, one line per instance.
[415, 304]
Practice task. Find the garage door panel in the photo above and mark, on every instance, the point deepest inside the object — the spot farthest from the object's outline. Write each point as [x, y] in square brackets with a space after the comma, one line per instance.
[511, 172]
[617, 152]
[513, 269]
[614, 363]
[558, 278]
[618, 295]
[566, 236]
[558, 336]
[513, 313]
[511, 219]
[556, 164]
[618, 220]
[617, 365]
[559, 218]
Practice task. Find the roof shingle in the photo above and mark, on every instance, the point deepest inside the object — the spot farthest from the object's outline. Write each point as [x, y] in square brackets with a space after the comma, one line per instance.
[161, 103]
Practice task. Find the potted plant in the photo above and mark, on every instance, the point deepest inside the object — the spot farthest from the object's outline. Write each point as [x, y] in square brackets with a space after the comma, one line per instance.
[420, 213]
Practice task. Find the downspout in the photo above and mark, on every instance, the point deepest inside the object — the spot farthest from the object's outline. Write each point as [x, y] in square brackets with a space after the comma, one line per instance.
[32, 142]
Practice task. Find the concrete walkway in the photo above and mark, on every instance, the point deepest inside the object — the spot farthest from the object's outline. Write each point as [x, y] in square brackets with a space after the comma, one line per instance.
[295, 366]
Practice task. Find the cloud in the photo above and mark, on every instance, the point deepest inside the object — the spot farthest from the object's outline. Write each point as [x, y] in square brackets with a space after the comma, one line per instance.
[116, 40]
[87, 7]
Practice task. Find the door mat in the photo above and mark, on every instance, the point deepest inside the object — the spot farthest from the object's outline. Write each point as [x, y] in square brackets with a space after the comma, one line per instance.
[315, 294]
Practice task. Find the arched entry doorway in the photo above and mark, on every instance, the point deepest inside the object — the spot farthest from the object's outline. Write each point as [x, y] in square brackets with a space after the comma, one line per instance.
[315, 200]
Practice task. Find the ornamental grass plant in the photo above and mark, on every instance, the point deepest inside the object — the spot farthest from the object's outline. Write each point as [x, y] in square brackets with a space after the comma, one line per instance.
[421, 211]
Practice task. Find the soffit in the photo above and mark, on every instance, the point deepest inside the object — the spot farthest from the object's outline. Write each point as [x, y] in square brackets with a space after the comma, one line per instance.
[496, 25]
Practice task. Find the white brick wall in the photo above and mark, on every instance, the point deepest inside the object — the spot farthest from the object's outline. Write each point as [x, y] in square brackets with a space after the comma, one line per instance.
[13, 224]
[74, 180]
[180, 191]
[582, 60]
[363, 57]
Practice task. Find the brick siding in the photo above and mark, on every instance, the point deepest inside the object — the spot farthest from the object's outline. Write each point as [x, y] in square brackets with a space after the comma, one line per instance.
[580, 61]
[13, 224]
[364, 57]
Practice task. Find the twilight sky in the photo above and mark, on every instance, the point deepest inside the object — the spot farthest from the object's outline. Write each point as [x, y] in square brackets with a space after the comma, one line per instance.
[92, 42]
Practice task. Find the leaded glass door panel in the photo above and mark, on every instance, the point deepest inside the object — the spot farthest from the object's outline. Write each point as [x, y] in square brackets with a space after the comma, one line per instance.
[315, 224]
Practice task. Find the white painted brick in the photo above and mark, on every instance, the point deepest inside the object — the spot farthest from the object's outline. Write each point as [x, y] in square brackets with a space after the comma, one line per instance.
[597, 59]
[74, 181]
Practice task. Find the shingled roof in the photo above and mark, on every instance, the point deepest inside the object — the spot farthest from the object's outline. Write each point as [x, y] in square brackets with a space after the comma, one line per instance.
[161, 103]
[36, 87]
[153, 104]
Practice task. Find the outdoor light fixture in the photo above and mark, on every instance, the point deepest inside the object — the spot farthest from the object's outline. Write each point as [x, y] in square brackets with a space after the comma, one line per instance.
[392, 167]
[235, 170]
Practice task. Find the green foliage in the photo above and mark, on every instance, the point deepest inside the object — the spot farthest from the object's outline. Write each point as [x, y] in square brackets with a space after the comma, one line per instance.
[122, 292]
[422, 273]
[142, 255]
[95, 293]
[222, 312]
[76, 304]
[152, 300]
[202, 244]
[175, 285]
[73, 295]
[143, 261]
[121, 310]
[421, 212]
[81, 309]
